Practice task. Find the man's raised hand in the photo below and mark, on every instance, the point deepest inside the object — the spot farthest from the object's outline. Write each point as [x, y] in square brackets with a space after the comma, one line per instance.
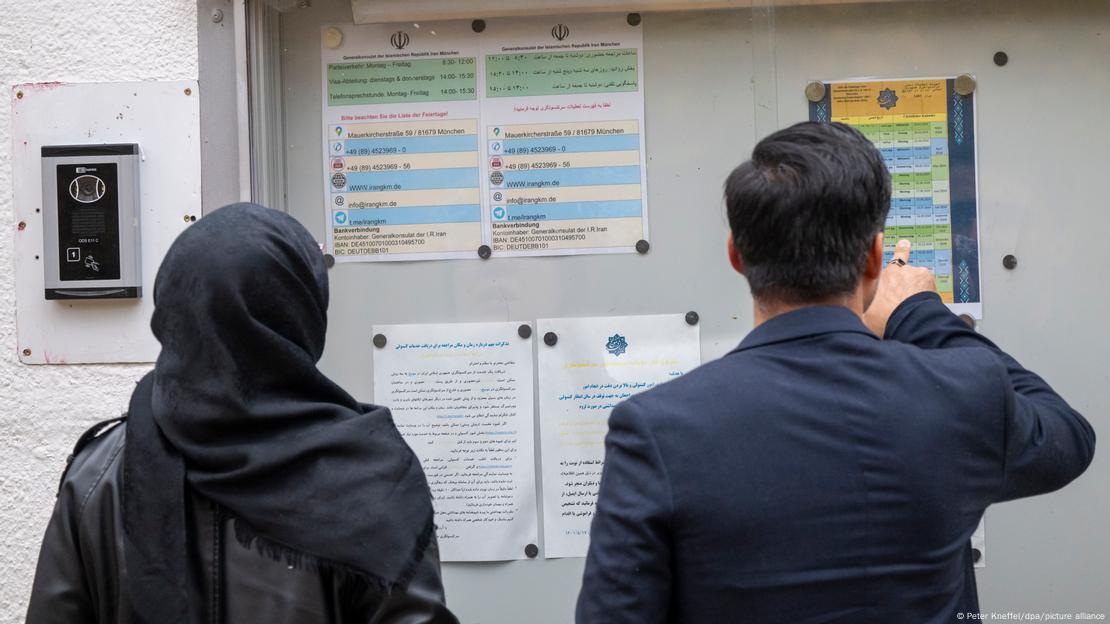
[898, 282]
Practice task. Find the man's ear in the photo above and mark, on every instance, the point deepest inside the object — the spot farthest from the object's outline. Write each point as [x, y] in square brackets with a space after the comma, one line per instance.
[734, 256]
[874, 264]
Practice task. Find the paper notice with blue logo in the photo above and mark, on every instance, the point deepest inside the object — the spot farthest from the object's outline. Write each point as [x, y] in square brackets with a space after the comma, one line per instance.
[527, 138]
[586, 367]
[461, 395]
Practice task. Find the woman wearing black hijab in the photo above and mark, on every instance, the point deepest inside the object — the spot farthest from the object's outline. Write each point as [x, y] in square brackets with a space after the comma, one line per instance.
[244, 486]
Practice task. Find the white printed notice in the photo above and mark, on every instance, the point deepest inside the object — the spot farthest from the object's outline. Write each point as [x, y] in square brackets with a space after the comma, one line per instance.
[461, 395]
[401, 142]
[563, 127]
[525, 139]
[595, 364]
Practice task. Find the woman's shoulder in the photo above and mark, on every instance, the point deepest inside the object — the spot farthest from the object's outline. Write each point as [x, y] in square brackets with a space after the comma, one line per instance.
[95, 460]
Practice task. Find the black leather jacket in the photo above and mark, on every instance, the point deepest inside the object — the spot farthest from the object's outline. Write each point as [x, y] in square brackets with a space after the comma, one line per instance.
[81, 574]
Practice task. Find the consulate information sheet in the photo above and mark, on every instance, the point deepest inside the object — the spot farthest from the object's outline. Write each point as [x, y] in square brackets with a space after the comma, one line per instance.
[401, 144]
[926, 133]
[596, 363]
[526, 138]
[461, 395]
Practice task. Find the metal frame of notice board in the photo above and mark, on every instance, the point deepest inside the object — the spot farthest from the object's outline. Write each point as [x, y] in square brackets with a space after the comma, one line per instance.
[773, 51]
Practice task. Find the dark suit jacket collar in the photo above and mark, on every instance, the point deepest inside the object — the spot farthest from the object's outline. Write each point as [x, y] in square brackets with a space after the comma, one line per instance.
[802, 323]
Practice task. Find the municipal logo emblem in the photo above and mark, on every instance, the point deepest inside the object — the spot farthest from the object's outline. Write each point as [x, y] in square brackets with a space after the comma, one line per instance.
[616, 345]
[560, 31]
[888, 99]
[399, 40]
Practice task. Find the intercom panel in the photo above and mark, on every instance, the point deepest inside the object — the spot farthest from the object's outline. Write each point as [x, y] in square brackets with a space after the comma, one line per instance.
[92, 247]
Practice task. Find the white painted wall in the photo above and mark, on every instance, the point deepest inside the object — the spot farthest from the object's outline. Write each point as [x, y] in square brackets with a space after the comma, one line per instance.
[43, 409]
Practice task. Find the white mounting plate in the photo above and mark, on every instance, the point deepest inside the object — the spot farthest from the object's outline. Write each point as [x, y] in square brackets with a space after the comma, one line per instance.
[164, 119]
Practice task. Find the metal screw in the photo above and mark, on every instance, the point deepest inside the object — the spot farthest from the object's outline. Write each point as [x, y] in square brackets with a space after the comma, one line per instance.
[692, 318]
[633, 19]
[484, 252]
[26, 353]
[531, 550]
[1001, 58]
[1009, 261]
[524, 331]
[19, 95]
[379, 341]
[217, 16]
[478, 25]
[22, 225]
[329, 260]
[642, 246]
[550, 338]
[188, 91]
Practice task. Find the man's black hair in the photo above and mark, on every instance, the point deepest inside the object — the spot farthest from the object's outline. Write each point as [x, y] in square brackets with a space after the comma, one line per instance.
[805, 209]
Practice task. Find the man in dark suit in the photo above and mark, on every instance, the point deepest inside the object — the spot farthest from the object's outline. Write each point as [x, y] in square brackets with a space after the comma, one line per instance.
[833, 466]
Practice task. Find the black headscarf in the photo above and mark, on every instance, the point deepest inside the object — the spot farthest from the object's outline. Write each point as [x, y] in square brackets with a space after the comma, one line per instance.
[237, 411]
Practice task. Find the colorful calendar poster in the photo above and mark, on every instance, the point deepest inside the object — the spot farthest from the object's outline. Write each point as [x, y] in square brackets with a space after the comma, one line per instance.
[926, 133]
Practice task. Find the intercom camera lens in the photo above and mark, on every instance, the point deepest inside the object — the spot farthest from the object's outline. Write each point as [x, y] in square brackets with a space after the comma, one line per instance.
[87, 189]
